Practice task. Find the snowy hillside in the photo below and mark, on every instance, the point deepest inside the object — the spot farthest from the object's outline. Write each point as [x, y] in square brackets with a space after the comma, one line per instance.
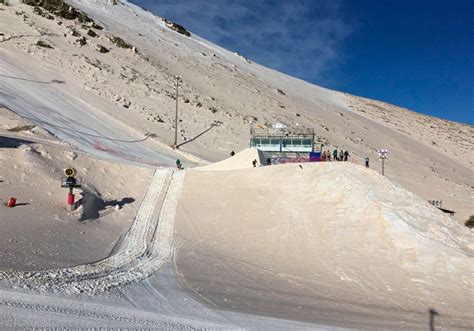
[125, 98]
[224, 245]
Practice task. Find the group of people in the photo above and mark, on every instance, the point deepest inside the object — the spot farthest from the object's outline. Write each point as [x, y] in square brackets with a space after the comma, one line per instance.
[335, 156]
[325, 156]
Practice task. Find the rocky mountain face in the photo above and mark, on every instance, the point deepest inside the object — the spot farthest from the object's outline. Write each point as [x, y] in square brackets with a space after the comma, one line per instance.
[122, 61]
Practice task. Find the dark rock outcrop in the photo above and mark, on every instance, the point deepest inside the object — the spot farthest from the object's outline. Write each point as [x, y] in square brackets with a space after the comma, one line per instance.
[119, 42]
[91, 33]
[81, 41]
[177, 27]
[96, 26]
[37, 10]
[43, 44]
[61, 9]
[101, 49]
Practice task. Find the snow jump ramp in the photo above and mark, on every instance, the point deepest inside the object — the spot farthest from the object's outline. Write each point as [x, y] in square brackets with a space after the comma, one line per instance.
[329, 242]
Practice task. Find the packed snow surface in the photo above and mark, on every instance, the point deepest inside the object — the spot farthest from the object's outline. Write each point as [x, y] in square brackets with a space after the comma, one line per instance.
[329, 241]
[241, 160]
[226, 245]
[71, 119]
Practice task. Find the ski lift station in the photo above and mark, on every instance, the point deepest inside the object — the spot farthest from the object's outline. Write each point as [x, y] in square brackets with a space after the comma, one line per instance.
[282, 139]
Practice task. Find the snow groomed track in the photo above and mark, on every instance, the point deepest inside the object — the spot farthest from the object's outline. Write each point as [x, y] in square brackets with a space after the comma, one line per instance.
[32, 311]
[146, 247]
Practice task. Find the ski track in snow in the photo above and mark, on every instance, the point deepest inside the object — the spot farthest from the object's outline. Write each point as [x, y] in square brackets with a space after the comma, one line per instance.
[63, 313]
[146, 247]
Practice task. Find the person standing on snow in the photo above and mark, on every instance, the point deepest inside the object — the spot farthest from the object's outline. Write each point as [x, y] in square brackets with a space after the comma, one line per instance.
[341, 155]
[334, 155]
[367, 162]
[346, 155]
[178, 164]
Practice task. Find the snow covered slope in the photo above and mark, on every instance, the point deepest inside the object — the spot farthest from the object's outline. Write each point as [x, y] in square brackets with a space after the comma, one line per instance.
[121, 104]
[328, 243]
[241, 160]
[332, 242]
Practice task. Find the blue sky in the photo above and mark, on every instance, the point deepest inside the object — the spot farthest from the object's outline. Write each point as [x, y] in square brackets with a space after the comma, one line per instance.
[415, 54]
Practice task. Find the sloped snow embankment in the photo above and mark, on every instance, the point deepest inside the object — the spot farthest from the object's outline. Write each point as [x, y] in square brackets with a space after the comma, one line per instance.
[146, 247]
[241, 160]
[65, 115]
[329, 237]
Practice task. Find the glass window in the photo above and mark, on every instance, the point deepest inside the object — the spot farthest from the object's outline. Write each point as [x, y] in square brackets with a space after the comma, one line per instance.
[307, 142]
[296, 142]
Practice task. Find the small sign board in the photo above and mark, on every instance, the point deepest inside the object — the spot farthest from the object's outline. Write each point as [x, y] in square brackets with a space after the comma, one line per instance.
[71, 181]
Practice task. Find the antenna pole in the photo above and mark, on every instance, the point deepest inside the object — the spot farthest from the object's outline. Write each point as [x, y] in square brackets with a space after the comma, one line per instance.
[178, 78]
